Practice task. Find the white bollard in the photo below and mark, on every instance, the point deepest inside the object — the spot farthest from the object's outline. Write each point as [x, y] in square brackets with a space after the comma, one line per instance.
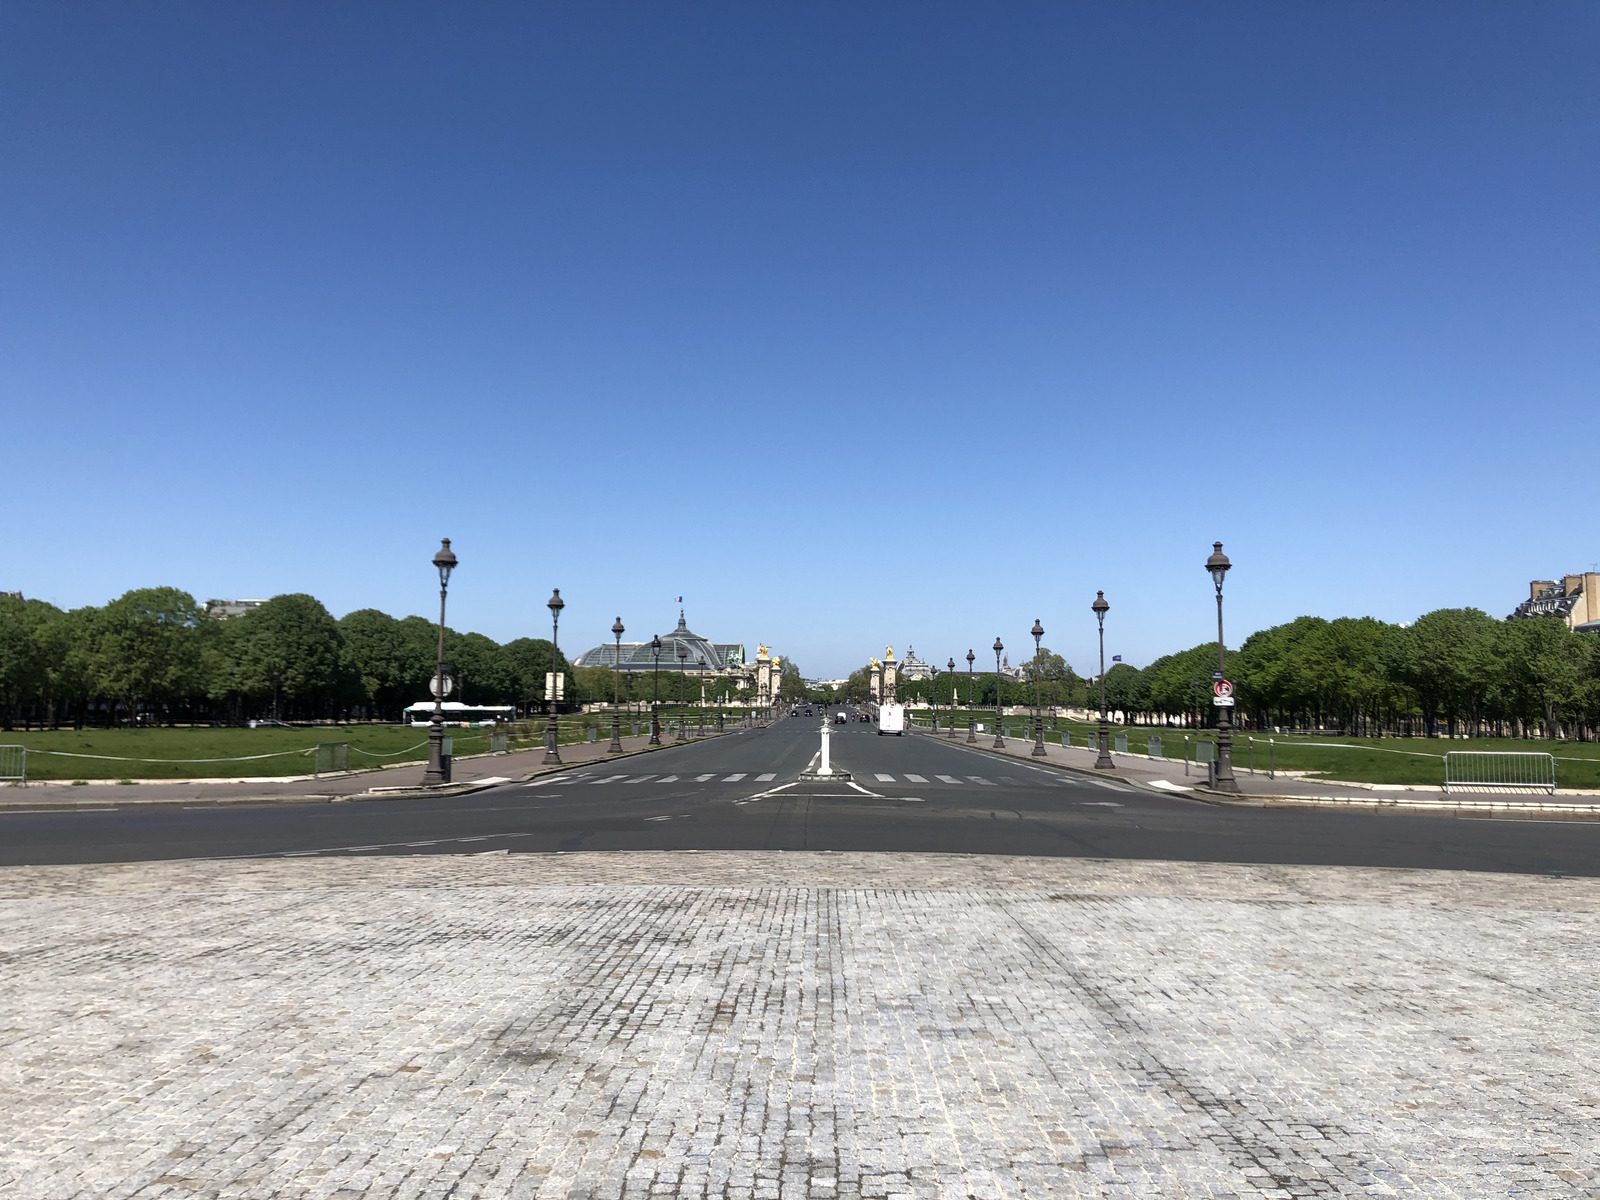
[825, 769]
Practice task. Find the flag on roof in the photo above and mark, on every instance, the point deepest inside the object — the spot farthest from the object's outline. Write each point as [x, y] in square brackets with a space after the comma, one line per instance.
[1116, 658]
[677, 599]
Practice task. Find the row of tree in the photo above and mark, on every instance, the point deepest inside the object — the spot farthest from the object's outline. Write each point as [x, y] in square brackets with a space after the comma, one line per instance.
[154, 655]
[1455, 670]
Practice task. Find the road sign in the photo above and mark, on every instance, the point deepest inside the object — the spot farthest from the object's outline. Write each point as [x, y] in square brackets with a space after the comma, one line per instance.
[433, 686]
[1216, 675]
[1222, 701]
[1222, 688]
[555, 685]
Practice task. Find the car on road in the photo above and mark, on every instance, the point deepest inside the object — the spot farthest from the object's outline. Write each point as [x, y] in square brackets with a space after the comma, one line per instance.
[841, 717]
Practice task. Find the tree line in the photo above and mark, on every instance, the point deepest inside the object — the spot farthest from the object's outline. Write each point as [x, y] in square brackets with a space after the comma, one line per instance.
[153, 655]
[1454, 670]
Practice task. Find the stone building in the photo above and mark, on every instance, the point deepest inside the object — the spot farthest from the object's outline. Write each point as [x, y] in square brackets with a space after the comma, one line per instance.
[1575, 599]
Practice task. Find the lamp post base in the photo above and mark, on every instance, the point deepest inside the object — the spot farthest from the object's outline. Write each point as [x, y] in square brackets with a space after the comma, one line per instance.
[1103, 761]
[1038, 741]
[616, 734]
[552, 755]
[434, 775]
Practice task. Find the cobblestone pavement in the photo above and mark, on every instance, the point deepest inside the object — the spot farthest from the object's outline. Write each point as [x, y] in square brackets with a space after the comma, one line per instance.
[771, 1025]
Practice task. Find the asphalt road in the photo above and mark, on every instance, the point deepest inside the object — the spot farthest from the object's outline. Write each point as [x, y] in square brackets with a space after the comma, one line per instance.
[742, 792]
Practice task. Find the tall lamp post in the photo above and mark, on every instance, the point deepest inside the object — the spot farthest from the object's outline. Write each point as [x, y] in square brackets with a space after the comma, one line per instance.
[555, 604]
[999, 740]
[617, 630]
[445, 561]
[936, 699]
[1218, 565]
[1038, 708]
[972, 729]
[655, 703]
[1103, 761]
[683, 723]
[700, 719]
[950, 665]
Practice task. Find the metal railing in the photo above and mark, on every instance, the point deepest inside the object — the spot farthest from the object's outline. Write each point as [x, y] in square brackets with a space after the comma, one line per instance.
[1500, 770]
[13, 764]
[332, 756]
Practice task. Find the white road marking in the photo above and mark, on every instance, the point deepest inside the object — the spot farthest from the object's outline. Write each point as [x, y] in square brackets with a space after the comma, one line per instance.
[736, 778]
[640, 779]
[668, 779]
[1166, 785]
[913, 799]
[703, 778]
[882, 778]
[766, 778]
[666, 818]
[1100, 803]
[980, 779]
[910, 778]
[947, 779]
[607, 779]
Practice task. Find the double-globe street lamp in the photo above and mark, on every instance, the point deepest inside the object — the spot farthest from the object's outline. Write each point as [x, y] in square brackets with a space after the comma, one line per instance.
[936, 699]
[999, 738]
[700, 718]
[950, 666]
[972, 729]
[617, 630]
[555, 604]
[445, 561]
[1038, 708]
[1218, 565]
[1102, 760]
[655, 702]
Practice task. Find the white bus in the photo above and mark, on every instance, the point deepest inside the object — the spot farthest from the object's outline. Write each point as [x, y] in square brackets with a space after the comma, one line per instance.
[467, 716]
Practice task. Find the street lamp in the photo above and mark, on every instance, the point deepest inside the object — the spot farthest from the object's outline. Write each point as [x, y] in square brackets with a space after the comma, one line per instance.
[1038, 709]
[972, 730]
[683, 723]
[701, 717]
[445, 560]
[1103, 761]
[655, 703]
[1218, 565]
[555, 604]
[617, 630]
[999, 741]
[950, 665]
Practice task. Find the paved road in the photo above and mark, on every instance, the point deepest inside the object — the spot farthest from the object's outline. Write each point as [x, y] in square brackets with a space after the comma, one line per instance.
[742, 792]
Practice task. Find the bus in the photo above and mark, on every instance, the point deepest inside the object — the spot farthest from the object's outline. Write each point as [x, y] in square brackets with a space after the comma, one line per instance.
[467, 716]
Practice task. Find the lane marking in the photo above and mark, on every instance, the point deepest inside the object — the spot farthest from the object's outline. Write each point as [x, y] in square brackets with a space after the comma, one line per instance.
[668, 779]
[640, 779]
[736, 778]
[768, 777]
[948, 779]
[703, 778]
[913, 799]
[882, 778]
[1099, 803]
[910, 778]
[607, 779]
[666, 818]
[980, 779]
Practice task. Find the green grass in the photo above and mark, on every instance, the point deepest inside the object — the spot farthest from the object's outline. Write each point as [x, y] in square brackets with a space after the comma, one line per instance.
[1359, 760]
[51, 754]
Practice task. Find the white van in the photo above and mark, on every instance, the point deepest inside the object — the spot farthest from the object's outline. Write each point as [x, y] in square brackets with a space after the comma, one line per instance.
[892, 719]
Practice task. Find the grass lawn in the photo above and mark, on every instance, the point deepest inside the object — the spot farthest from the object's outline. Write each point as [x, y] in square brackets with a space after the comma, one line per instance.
[1360, 760]
[160, 753]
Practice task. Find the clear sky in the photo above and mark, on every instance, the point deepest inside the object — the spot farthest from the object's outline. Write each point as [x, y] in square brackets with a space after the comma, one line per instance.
[851, 323]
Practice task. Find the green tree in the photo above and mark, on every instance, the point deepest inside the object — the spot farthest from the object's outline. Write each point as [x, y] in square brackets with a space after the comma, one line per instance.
[375, 656]
[146, 648]
[1447, 659]
[289, 648]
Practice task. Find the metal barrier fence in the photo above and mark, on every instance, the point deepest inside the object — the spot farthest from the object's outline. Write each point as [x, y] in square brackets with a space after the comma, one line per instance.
[1501, 770]
[333, 756]
[498, 743]
[13, 764]
[1154, 746]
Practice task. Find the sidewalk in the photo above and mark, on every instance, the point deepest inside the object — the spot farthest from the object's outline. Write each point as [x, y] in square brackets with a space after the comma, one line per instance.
[467, 774]
[1258, 790]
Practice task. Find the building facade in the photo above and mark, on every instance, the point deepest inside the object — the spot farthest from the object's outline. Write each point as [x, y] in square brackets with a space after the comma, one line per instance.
[637, 656]
[1575, 599]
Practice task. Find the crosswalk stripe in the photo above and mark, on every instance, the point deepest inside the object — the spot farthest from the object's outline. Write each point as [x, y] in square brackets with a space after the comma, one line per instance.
[607, 779]
[736, 778]
[767, 778]
[910, 778]
[980, 779]
[1008, 779]
[947, 779]
[882, 778]
[703, 778]
[668, 779]
[640, 779]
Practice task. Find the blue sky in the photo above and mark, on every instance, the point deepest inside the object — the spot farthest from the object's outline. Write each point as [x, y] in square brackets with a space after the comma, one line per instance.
[641, 300]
